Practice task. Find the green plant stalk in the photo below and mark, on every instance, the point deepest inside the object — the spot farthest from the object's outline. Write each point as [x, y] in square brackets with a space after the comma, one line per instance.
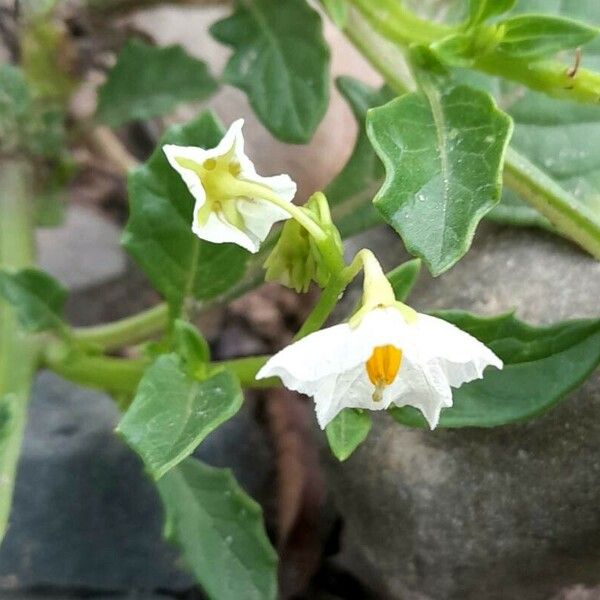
[400, 26]
[122, 375]
[127, 331]
[18, 351]
[570, 217]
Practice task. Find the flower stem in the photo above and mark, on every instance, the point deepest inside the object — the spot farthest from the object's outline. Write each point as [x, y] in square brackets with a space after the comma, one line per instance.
[125, 332]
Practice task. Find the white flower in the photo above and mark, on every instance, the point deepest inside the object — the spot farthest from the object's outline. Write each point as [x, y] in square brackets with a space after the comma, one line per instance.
[231, 198]
[384, 360]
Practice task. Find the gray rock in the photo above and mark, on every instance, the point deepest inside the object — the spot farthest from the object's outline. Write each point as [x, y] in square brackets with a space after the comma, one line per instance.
[83, 252]
[84, 514]
[510, 512]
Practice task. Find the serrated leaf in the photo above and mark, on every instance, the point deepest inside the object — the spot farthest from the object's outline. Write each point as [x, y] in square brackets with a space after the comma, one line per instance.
[172, 412]
[148, 81]
[347, 431]
[159, 231]
[219, 531]
[352, 190]
[281, 61]
[541, 366]
[534, 36]
[443, 153]
[404, 277]
[37, 299]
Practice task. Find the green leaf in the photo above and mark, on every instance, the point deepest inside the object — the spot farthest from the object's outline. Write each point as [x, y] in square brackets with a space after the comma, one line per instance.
[173, 412]
[533, 36]
[147, 82]
[190, 344]
[347, 431]
[443, 152]
[481, 10]
[541, 366]
[338, 11]
[219, 531]
[352, 190]
[281, 61]
[37, 298]
[404, 277]
[159, 231]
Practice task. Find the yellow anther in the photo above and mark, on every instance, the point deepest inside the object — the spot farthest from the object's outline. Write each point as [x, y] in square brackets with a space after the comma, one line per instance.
[382, 368]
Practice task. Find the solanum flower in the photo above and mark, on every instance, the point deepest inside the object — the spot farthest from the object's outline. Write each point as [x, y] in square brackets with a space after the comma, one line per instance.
[387, 354]
[233, 203]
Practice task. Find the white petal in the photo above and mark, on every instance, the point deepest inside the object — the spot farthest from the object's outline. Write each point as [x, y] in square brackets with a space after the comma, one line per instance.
[461, 357]
[218, 230]
[191, 179]
[425, 387]
[260, 216]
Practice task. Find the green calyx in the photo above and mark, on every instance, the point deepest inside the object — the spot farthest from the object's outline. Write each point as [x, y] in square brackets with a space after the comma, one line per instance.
[378, 292]
[298, 258]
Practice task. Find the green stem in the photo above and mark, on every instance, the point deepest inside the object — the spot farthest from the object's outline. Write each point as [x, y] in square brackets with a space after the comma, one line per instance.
[570, 217]
[331, 295]
[125, 332]
[18, 351]
[400, 26]
[246, 369]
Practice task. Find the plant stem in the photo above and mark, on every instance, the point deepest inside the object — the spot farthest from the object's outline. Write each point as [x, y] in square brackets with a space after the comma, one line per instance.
[330, 296]
[125, 332]
[570, 217]
[18, 351]
[246, 369]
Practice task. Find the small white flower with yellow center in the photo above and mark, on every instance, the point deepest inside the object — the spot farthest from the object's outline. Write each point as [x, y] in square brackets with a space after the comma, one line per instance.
[388, 354]
[233, 203]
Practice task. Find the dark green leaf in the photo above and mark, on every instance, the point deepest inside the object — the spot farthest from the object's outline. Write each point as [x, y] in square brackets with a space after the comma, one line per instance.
[443, 152]
[533, 36]
[541, 366]
[37, 298]
[147, 82]
[404, 277]
[481, 10]
[219, 531]
[159, 231]
[281, 61]
[352, 190]
[190, 344]
[347, 431]
[173, 412]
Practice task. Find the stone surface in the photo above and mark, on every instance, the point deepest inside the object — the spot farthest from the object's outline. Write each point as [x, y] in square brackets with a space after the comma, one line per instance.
[84, 514]
[510, 512]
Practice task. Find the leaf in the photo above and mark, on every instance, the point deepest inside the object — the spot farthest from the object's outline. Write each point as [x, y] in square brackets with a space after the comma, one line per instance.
[347, 431]
[220, 532]
[351, 191]
[172, 412]
[281, 61]
[404, 277]
[443, 153]
[147, 82]
[541, 366]
[481, 10]
[534, 36]
[37, 299]
[159, 231]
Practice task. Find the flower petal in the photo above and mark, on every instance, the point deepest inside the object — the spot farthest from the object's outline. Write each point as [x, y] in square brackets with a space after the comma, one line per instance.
[218, 230]
[260, 216]
[461, 357]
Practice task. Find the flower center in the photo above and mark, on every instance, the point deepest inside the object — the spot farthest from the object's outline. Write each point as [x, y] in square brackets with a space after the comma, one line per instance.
[382, 368]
